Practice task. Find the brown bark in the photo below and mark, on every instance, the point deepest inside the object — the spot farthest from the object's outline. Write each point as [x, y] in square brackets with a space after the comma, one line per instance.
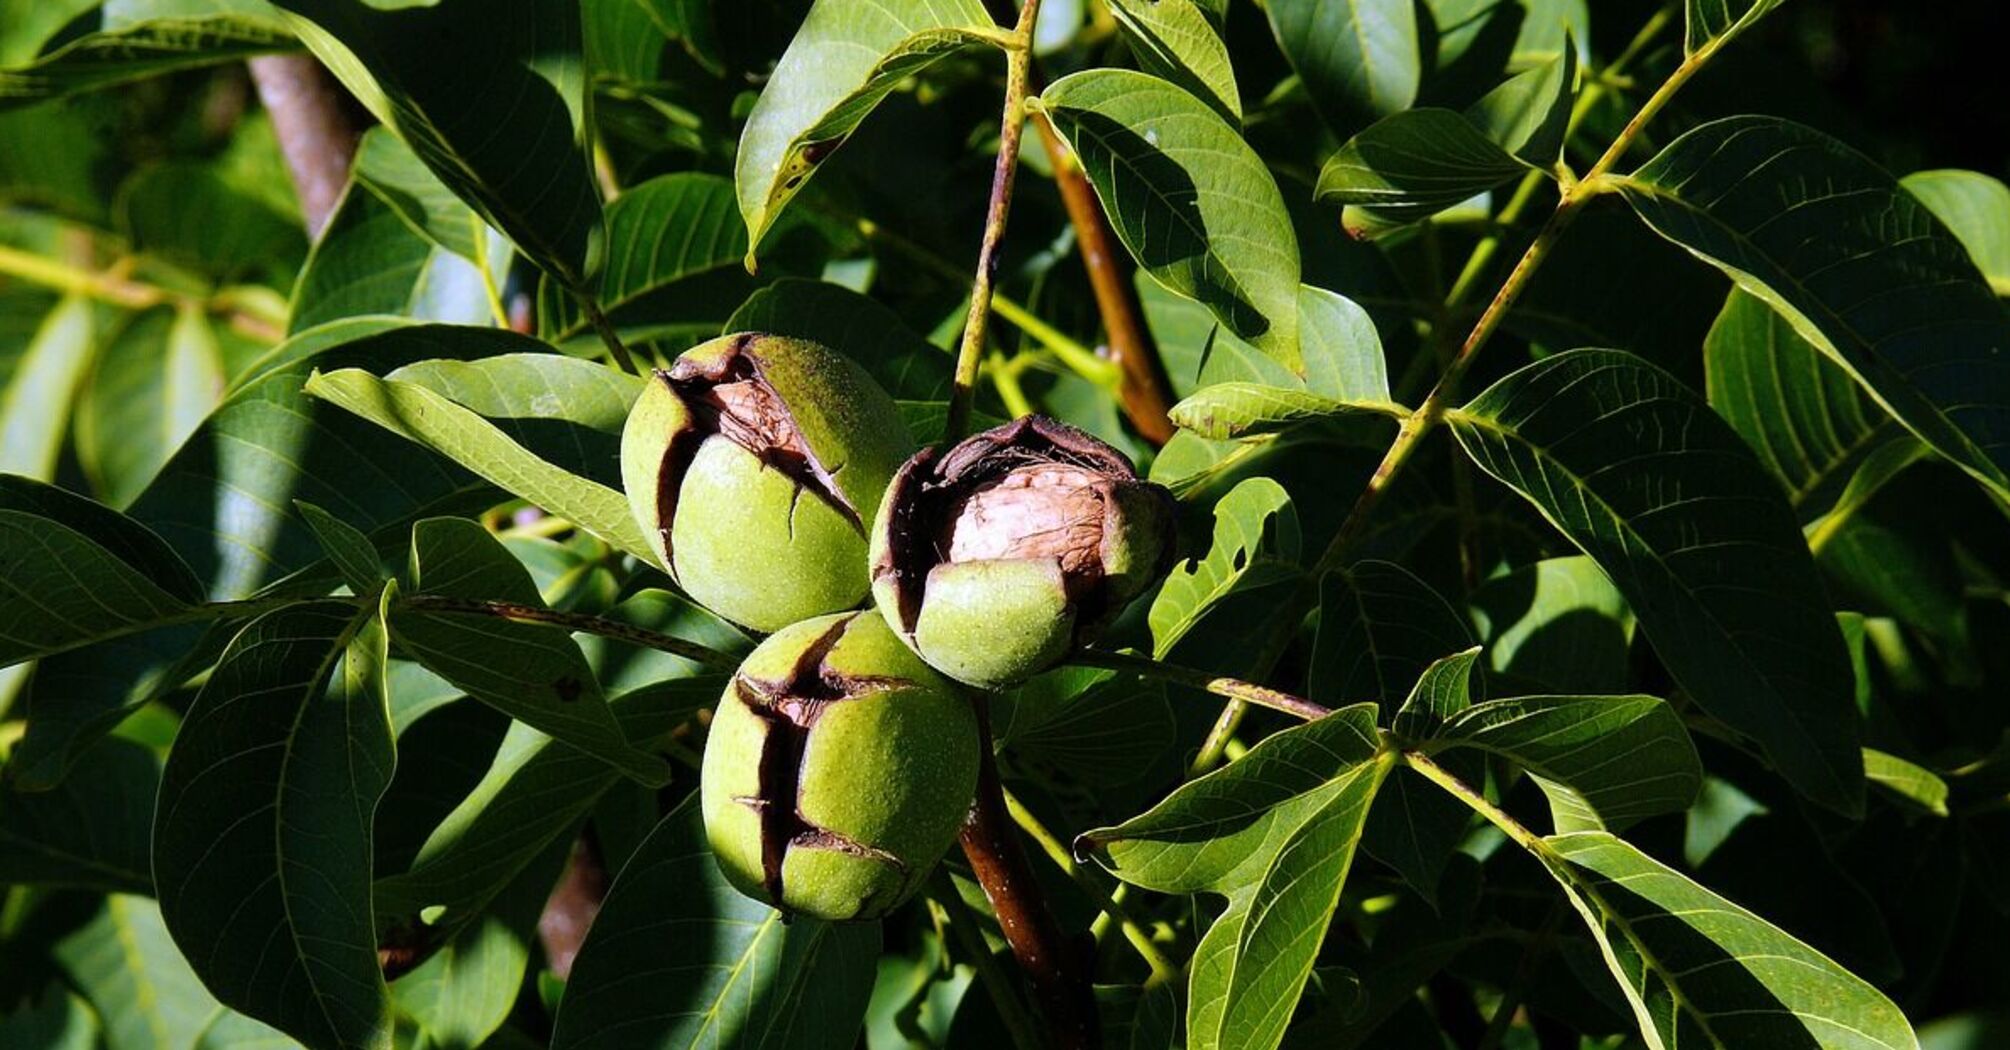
[317, 130]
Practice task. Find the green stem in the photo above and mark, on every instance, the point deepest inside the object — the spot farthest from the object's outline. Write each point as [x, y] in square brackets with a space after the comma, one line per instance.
[1163, 969]
[1232, 688]
[970, 353]
[1498, 817]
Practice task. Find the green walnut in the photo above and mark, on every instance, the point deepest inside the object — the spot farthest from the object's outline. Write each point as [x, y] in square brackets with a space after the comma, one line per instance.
[838, 770]
[754, 463]
[995, 559]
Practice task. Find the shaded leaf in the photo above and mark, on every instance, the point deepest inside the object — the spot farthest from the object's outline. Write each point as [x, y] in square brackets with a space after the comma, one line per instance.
[1976, 209]
[1696, 967]
[74, 572]
[126, 42]
[1604, 761]
[447, 76]
[1359, 59]
[145, 993]
[1642, 476]
[532, 672]
[191, 215]
[1251, 569]
[674, 249]
[1379, 628]
[908, 366]
[1863, 271]
[1557, 623]
[1443, 690]
[1190, 199]
[734, 974]
[351, 551]
[1530, 114]
[1712, 23]
[262, 837]
[1175, 40]
[74, 698]
[842, 61]
[1099, 727]
[1413, 165]
[90, 831]
[370, 260]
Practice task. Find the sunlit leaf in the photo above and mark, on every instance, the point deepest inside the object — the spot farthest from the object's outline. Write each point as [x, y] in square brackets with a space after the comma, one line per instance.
[1190, 199]
[1359, 58]
[35, 402]
[1176, 41]
[145, 993]
[123, 42]
[1976, 209]
[1712, 23]
[1237, 589]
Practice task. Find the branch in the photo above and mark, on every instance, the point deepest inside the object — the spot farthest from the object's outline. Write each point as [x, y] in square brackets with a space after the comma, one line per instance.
[317, 133]
[1018, 65]
[991, 844]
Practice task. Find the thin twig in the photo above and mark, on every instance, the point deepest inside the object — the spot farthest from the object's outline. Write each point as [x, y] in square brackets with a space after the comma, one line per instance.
[1219, 685]
[1163, 968]
[616, 349]
[970, 352]
[582, 622]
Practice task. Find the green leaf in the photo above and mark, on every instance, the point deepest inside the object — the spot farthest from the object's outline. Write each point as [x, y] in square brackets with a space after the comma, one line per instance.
[1379, 628]
[194, 217]
[370, 260]
[1236, 589]
[1810, 424]
[58, 1021]
[1558, 624]
[234, 1031]
[224, 500]
[1099, 728]
[1359, 59]
[461, 995]
[532, 385]
[532, 672]
[674, 247]
[75, 572]
[734, 975]
[145, 994]
[1642, 476]
[124, 42]
[1976, 209]
[1604, 761]
[1413, 165]
[447, 77]
[355, 557]
[1863, 271]
[35, 402]
[1346, 374]
[908, 366]
[842, 61]
[1275, 832]
[391, 172]
[1696, 968]
[1174, 40]
[1909, 781]
[91, 831]
[1233, 410]
[1442, 691]
[1712, 23]
[1190, 199]
[75, 697]
[262, 845]
[152, 386]
[1529, 115]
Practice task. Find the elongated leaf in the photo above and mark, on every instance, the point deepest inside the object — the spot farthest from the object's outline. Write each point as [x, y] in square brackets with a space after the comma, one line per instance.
[842, 61]
[262, 837]
[1346, 374]
[75, 572]
[416, 411]
[224, 500]
[354, 556]
[1413, 165]
[133, 41]
[1251, 569]
[908, 366]
[1530, 114]
[1275, 832]
[59, 1020]
[1907, 780]
[1862, 269]
[1098, 728]
[1810, 424]
[1379, 628]
[674, 248]
[1976, 209]
[1698, 969]
[90, 831]
[152, 386]
[447, 76]
[532, 672]
[75, 697]
[1712, 23]
[1642, 476]
[1190, 199]
[1175, 40]
[1442, 692]
[35, 402]
[1233, 410]
[195, 217]
[145, 993]
[371, 261]
[461, 995]
[732, 976]
[1359, 59]
[1604, 761]
[388, 168]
